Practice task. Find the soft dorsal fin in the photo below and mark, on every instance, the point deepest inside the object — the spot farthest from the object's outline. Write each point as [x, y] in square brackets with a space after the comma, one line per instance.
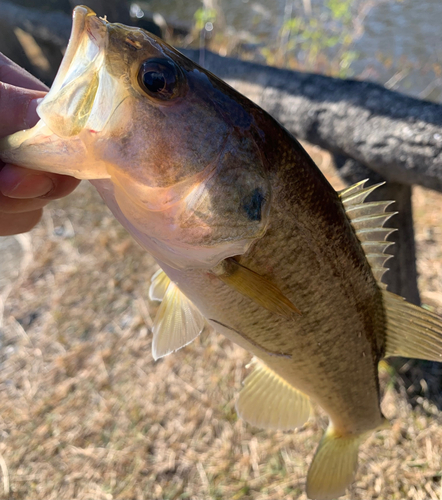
[368, 220]
[257, 288]
[412, 332]
[177, 322]
[267, 401]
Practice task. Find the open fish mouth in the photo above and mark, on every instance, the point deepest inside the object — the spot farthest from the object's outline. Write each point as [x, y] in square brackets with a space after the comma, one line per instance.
[81, 95]
[80, 103]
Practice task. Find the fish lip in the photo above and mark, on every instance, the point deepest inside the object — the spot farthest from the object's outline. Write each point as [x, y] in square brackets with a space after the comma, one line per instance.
[68, 106]
[94, 26]
[84, 21]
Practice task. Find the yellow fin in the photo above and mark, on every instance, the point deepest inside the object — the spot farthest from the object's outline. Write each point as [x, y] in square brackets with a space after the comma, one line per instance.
[267, 401]
[158, 285]
[368, 221]
[259, 289]
[334, 465]
[176, 324]
[351, 190]
[356, 194]
[412, 331]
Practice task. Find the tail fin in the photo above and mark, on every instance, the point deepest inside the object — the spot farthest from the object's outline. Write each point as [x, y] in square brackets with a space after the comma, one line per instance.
[334, 465]
[412, 332]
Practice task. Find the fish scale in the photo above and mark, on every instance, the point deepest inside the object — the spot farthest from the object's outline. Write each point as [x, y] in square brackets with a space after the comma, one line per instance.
[319, 340]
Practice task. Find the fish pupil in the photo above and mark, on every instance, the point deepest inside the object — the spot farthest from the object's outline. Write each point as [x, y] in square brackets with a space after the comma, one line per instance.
[158, 78]
[154, 81]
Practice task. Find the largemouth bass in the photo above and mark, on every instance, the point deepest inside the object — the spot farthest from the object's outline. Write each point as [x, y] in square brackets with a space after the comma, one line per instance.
[250, 236]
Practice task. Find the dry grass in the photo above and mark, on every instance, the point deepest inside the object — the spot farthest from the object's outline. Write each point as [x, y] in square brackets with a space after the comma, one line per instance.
[87, 414]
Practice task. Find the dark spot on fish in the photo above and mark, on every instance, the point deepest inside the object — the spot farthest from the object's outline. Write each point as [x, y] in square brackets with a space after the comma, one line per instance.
[253, 204]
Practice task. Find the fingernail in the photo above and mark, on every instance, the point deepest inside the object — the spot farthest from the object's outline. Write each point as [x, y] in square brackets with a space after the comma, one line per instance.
[31, 186]
[31, 114]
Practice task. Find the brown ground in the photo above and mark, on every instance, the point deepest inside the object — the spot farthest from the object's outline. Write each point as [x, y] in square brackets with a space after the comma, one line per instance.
[87, 414]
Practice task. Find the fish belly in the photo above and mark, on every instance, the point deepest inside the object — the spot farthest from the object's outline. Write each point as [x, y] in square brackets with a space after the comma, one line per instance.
[326, 356]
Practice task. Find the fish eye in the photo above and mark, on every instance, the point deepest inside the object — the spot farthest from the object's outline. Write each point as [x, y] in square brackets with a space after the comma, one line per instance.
[160, 79]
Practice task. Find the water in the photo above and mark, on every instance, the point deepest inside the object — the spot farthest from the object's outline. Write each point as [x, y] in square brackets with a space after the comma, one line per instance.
[409, 33]
[401, 43]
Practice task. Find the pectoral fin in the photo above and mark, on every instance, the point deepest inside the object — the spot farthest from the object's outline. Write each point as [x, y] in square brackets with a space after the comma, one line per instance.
[256, 287]
[412, 331]
[267, 401]
[176, 324]
[158, 285]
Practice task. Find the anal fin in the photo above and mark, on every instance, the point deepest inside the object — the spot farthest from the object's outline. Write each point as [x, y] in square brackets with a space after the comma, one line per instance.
[267, 401]
[412, 332]
[258, 288]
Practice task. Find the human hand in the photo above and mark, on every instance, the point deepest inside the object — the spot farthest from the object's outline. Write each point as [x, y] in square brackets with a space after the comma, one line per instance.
[23, 192]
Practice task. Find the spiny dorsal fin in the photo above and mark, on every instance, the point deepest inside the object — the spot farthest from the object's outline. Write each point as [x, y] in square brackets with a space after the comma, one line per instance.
[267, 401]
[368, 220]
[177, 322]
[356, 194]
[412, 332]
[350, 190]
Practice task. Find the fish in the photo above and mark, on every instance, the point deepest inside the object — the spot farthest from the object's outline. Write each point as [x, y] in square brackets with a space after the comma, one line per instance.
[249, 236]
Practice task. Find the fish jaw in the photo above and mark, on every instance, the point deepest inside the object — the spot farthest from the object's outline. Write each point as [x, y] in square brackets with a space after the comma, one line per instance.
[77, 108]
[170, 251]
[180, 148]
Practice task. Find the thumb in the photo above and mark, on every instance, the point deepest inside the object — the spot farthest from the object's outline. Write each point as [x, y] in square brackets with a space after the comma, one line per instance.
[17, 108]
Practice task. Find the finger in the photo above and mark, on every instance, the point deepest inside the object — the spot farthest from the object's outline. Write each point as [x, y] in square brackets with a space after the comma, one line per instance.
[23, 183]
[20, 182]
[64, 185]
[17, 223]
[20, 206]
[15, 75]
[17, 107]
